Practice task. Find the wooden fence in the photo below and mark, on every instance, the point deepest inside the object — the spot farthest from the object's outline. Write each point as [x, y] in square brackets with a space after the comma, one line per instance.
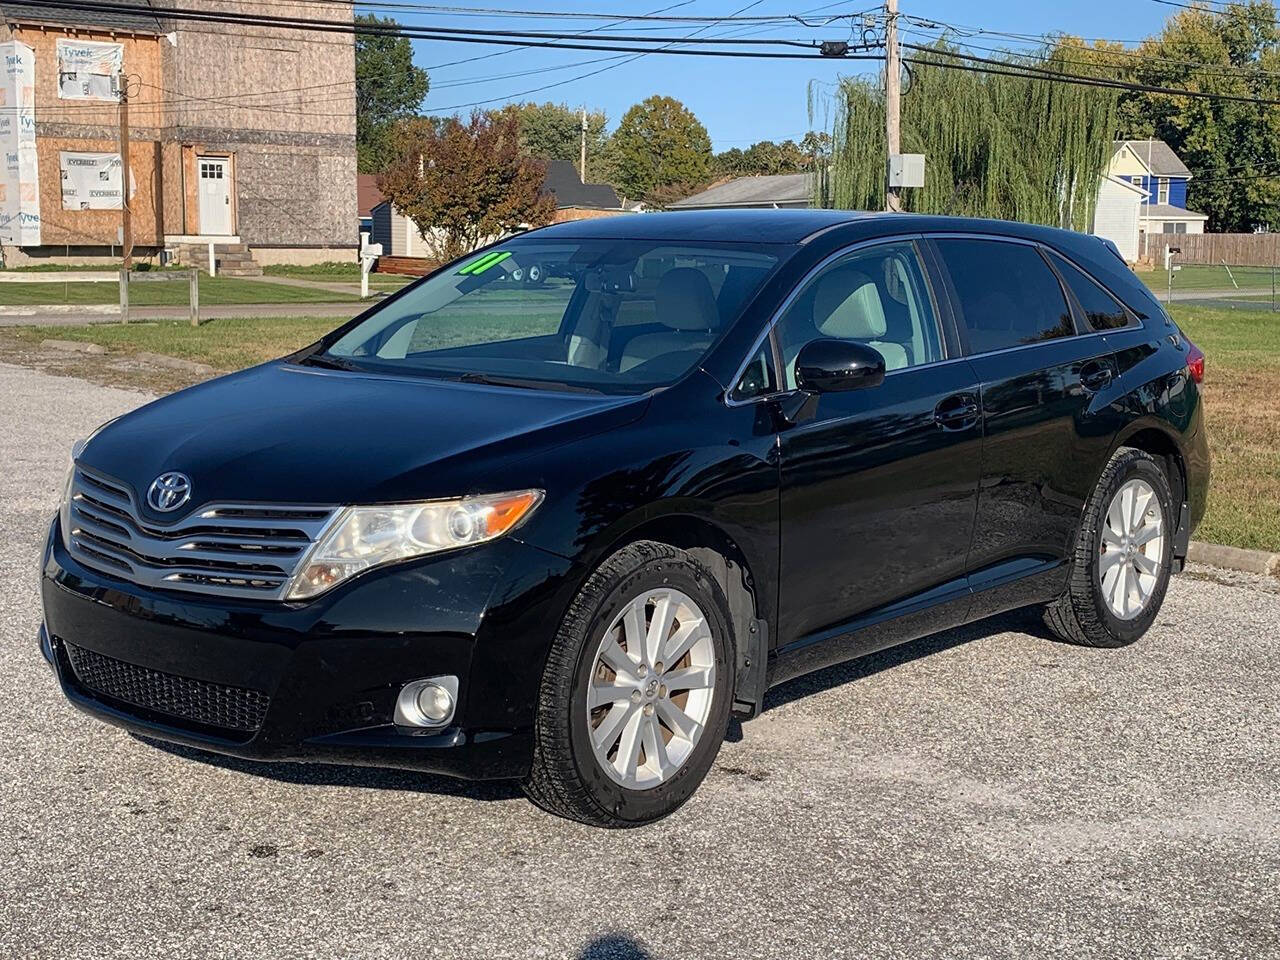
[1233, 249]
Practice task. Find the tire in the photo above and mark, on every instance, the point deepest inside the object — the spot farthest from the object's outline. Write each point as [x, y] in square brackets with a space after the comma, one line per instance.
[568, 775]
[1088, 612]
[535, 275]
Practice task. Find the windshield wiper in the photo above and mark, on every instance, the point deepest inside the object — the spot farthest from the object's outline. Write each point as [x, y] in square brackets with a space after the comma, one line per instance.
[499, 381]
[331, 362]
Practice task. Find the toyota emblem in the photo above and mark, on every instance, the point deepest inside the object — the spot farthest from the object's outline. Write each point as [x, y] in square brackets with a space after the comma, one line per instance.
[169, 491]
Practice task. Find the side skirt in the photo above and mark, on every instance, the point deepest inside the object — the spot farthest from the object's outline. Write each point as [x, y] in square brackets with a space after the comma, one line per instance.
[1005, 586]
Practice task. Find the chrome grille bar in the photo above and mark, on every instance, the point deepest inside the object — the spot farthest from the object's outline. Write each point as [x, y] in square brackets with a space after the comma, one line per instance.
[237, 550]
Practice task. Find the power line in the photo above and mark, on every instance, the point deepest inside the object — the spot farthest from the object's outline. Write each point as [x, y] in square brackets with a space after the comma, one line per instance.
[466, 35]
[1050, 40]
[1005, 68]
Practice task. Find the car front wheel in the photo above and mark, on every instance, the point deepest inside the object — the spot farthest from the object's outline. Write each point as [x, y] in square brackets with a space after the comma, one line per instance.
[1123, 556]
[635, 698]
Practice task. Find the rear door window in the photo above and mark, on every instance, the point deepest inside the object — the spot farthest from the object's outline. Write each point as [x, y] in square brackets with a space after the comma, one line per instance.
[1007, 295]
[1101, 309]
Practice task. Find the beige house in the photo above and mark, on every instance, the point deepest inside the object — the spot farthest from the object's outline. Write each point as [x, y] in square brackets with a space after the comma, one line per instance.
[241, 136]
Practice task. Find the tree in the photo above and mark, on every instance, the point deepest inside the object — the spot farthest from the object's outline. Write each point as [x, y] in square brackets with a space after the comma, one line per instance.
[1231, 147]
[766, 157]
[553, 131]
[465, 184]
[389, 88]
[658, 144]
[1024, 148]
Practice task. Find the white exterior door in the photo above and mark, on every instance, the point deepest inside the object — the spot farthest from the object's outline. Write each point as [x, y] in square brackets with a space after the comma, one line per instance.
[215, 195]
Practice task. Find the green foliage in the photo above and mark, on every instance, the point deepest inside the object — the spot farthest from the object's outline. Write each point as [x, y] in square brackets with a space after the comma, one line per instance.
[766, 157]
[553, 131]
[661, 145]
[1226, 144]
[464, 184]
[389, 88]
[1013, 148]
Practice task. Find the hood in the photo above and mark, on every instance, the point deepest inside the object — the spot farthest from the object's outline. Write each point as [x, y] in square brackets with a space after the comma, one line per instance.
[282, 433]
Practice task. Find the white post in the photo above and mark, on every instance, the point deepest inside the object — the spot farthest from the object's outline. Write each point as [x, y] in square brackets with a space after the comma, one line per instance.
[213, 264]
[369, 254]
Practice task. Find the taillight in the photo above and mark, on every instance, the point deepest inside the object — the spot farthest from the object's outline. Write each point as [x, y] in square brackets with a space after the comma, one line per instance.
[1195, 362]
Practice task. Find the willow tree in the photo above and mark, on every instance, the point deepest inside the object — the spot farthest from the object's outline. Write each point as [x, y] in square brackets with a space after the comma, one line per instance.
[1027, 148]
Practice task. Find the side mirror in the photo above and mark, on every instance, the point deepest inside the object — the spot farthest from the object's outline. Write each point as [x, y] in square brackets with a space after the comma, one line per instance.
[835, 366]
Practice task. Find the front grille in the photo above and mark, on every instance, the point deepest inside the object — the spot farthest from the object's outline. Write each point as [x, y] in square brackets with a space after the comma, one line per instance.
[195, 701]
[241, 550]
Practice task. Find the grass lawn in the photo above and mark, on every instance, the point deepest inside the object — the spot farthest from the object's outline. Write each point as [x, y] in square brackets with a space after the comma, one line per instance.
[226, 344]
[1199, 277]
[213, 292]
[330, 270]
[1242, 384]
[337, 273]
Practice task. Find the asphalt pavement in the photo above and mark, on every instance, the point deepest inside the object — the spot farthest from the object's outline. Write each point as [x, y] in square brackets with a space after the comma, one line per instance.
[982, 793]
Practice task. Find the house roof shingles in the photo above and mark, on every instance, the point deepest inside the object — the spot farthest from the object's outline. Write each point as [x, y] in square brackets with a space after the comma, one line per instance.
[85, 19]
[570, 191]
[1157, 155]
[1166, 211]
[789, 188]
[368, 195]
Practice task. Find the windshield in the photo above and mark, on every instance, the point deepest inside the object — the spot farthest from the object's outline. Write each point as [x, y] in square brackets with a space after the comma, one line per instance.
[608, 315]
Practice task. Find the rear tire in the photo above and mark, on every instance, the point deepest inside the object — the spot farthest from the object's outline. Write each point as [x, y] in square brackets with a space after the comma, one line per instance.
[1123, 556]
[580, 770]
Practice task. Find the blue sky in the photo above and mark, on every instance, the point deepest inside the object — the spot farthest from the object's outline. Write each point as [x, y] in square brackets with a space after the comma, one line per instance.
[739, 101]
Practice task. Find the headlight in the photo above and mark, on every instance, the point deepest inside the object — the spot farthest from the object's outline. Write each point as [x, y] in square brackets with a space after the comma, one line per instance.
[364, 537]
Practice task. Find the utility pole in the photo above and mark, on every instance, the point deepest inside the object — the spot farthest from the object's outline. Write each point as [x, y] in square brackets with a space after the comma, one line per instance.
[582, 155]
[126, 223]
[892, 101]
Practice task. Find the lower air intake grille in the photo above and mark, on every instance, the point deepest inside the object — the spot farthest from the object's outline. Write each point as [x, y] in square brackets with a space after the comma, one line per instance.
[196, 701]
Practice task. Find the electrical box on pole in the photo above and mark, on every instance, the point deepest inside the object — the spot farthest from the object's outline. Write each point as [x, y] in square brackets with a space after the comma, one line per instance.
[906, 170]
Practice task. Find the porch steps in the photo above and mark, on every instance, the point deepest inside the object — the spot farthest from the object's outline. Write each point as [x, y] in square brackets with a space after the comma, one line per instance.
[232, 259]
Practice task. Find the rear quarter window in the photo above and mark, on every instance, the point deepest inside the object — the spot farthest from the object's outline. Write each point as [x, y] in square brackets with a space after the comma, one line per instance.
[1101, 309]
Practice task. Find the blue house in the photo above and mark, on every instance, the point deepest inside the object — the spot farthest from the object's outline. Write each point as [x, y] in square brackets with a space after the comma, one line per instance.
[1152, 166]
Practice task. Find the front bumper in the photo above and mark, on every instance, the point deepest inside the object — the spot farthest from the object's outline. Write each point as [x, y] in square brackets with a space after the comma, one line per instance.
[321, 677]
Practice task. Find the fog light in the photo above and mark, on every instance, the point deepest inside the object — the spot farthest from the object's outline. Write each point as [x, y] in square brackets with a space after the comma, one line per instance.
[427, 703]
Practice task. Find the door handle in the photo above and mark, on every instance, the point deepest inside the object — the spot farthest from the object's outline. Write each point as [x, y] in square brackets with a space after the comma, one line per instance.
[1094, 376]
[957, 412]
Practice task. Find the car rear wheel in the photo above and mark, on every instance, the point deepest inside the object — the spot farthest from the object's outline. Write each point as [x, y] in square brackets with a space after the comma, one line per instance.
[635, 698]
[1123, 556]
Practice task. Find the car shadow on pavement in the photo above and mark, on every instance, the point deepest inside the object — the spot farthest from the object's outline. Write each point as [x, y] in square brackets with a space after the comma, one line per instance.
[332, 775]
[614, 946]
[1026, 620]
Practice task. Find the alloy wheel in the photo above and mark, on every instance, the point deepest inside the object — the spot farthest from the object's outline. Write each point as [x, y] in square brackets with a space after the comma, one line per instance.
[1131, 549]
[651, 688]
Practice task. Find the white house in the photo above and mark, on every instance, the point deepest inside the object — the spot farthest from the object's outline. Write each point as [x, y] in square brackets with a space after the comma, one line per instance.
[1117, 215]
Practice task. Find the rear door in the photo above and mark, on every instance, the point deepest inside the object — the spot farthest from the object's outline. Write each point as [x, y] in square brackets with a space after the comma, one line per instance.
[878, 486]
[1044, 379]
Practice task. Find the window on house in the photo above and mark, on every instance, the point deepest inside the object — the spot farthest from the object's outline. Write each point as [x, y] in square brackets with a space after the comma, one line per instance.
[1162, 195]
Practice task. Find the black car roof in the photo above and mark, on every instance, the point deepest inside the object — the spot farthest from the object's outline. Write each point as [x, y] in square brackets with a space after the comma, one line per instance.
[780, 226]
[746, 226]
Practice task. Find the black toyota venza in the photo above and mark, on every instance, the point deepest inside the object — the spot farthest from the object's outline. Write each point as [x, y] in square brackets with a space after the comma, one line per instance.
[560, 509]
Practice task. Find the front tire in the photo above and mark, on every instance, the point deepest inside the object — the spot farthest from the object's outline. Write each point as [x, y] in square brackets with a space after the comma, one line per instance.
[635, 697]
[1123, 556]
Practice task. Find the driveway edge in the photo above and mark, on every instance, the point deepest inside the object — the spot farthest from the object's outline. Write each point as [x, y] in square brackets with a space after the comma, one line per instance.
[1235, 558]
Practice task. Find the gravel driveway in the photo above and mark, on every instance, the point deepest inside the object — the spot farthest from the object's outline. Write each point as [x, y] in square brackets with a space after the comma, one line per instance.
[985, 792]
